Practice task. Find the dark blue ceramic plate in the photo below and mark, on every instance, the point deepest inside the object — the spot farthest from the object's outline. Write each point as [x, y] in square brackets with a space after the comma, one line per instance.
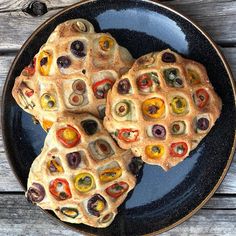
[161, 199]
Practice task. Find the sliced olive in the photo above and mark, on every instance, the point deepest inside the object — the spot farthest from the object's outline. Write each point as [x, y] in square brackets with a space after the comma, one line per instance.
[203, 124]
[158, 131]
[178, 83]
[102, 147]
[122, 109]
[63, 62]
[172, 78]
[79, 86]
[73, 159]
[178, 127]
[36, 193]
[135, 165]
[90, 126]
[76, 99]
[70, 212]
[96, 205]
[168, 57]
[77, 49]
[123, 86]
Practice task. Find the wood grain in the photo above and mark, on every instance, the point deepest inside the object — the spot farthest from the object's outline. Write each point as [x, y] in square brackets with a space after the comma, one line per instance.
[17, 26]
[18, 217]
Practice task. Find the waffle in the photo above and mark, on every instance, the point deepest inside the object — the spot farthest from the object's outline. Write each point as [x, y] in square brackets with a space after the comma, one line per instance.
[162, 108]
[81, 174]
[72, 72]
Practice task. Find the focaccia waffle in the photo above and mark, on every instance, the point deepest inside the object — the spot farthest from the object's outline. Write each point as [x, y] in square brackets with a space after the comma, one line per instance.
[81, 174]
[72, 72]
[162, 108]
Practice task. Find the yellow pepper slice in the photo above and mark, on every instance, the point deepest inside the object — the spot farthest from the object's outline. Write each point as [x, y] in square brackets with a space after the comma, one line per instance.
[179, 105]
[47, 124]
[106, 43]
[153, 107]
[194, 77]
[110, 174]
[100, 206]
[48, 102]
[44, 62]
[84, 182]
[154, 151]
[54, 166]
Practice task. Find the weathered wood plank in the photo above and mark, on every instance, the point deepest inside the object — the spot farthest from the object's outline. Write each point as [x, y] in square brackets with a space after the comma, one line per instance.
[18, 217]
[8, 181]
[207, 222]
[18, 5]
[222, 202]
[205, 13]
[6, 5]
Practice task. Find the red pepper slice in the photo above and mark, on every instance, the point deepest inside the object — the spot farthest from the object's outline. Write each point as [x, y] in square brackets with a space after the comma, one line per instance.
[60, 189]
[102, 87]
[29, 93]
[178, 149]
[128, 135]
[68, 136]
[117, 189]
[144, 81]
[201, 98]
[26, 90]
[30, 70]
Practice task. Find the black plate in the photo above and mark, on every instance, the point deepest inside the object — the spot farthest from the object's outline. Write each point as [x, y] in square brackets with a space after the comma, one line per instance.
[161, 200]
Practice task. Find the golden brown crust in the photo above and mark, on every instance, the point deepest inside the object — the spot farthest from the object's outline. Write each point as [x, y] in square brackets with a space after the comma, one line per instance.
[136, 120]
[40, 172]
[102, 58]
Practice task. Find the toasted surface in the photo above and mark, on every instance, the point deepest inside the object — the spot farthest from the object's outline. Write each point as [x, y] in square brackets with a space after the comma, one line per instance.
[162, 108]
[76, 169]
[72, 72]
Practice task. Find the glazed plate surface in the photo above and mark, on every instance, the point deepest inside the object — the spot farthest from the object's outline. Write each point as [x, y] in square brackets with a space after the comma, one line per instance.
[161, 199]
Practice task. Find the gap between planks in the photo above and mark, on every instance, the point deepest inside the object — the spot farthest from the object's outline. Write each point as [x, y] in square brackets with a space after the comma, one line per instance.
[216, 17]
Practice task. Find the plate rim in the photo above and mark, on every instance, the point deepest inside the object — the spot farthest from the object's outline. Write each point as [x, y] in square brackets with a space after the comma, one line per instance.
[194, 24]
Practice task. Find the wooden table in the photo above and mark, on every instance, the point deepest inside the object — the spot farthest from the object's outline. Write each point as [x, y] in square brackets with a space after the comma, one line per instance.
[17, 217]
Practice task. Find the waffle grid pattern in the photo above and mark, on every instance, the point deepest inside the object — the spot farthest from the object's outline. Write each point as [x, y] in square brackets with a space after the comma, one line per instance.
[40, 173]
[137, 120]
[97, 65]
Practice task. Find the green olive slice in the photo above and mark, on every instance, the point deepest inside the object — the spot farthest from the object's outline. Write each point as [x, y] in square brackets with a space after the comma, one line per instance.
[178, 127]
[69, 212]
[122, 109]
[76, 99]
